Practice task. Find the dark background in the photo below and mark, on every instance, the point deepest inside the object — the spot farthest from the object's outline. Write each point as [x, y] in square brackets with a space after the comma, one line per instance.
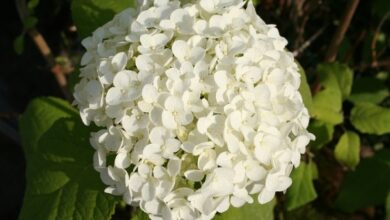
[26, 76]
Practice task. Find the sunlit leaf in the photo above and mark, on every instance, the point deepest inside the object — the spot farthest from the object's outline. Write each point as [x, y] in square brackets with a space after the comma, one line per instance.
[370, 118]
[304, 89]
[336, 74]
[302, 190]
[347, 150]
[327, 106]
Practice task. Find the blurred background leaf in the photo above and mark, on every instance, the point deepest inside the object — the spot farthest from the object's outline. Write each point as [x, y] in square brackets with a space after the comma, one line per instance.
[91, 14]
[60, 174]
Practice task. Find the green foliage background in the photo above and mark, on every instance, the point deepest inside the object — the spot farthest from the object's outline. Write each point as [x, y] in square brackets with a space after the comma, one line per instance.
[348, 112]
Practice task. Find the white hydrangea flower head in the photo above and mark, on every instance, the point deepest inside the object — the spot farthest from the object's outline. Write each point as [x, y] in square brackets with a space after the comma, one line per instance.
[198, 106]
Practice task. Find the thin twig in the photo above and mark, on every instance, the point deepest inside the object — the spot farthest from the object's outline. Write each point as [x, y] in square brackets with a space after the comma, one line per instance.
[307, 43]
[44, 48]
[341, 30]
[375, 37]
[382, 63]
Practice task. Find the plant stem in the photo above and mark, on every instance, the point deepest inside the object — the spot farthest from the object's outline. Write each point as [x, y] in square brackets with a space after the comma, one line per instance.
[341, 30]
[45, 50]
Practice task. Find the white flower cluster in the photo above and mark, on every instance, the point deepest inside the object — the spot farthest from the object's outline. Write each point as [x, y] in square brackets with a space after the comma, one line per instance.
[199, 104]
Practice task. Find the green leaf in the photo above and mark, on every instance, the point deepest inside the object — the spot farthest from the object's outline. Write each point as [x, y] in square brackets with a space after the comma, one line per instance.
[256, 2]
[370, 118]
[327, 106]
[368, 89]
[304, 89]
[388, 206]
[302, 190]
[343, 76]
[314, 170]
[30, 22]
[323, 132]
[59, 165]
[19, 44]
[253, 211]
[327, 103]
[31, 5]
[368, 185]
[347, 150]
[91, 14]
[139, 215]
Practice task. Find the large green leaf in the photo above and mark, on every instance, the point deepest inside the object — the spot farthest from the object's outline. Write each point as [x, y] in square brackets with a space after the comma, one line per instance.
[342, 74]
[61, 182]
[304, 89]
[253, 211]
[367, 185]
[370, 118]
[327, 106]
[368, 89]
[347, 150]
[91, 14]
[327, 103]
[302, 189]
[323, 132]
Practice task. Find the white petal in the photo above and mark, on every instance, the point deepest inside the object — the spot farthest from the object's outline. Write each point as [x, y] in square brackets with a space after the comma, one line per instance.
[86, 58]
[223, 205]
[149, 93]
[265, 196]
[199, 148]
[148, 191]
[168, 120]
[157, 135]
[180, 49]
[173, 167]
[99, 159]
[221, 79]
[122, 79]
[237, 202]
[217, 23]
[197, 53]
[254, 171]
[152, 207]
[194, 175]
[119, 61]
[122, 160]
[151, 149]
[156, 115]
[136, 182]
[173, 104]
[146, 40]
[172, 145]
[207, 5]
[114, 96]
[203, 124]
[284, 183]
